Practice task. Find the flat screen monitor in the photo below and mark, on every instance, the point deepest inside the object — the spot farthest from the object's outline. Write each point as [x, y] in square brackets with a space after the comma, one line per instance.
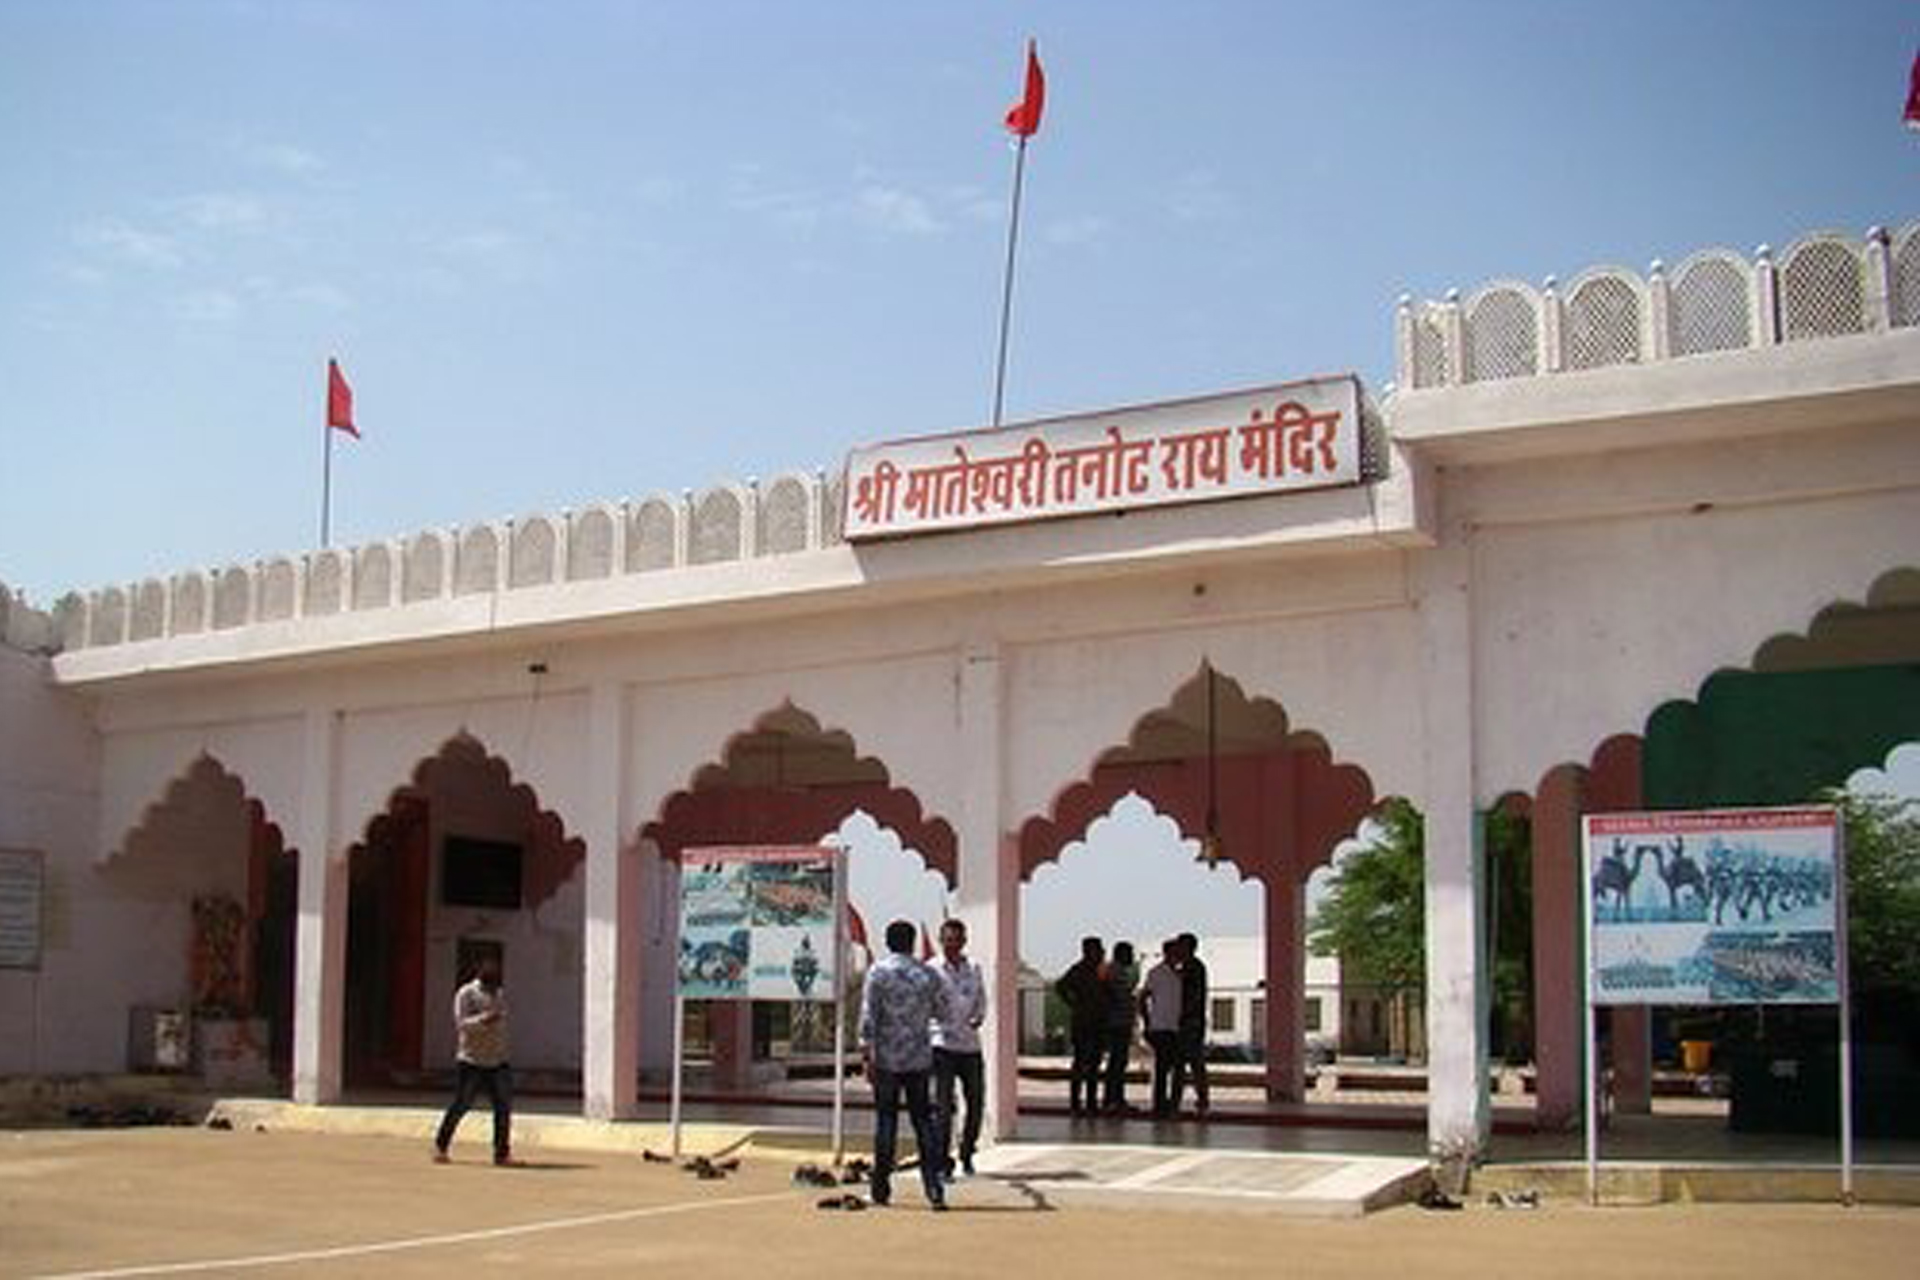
[480, 873]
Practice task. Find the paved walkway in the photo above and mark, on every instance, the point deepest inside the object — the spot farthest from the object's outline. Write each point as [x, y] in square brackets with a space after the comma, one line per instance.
[1315, 1185]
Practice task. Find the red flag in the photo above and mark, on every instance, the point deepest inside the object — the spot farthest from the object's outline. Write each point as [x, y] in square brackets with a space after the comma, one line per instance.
[857, 928]
[1023, 119]
[1913, 95]
[339, 401]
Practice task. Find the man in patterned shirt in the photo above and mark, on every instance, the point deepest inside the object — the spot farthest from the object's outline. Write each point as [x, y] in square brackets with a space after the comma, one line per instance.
[898, 1005]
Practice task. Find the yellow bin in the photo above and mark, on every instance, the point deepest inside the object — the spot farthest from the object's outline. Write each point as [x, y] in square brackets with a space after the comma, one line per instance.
[1696, 1055]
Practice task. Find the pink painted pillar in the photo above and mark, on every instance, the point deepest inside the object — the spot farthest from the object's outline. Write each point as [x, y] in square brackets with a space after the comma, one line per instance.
[1615, 784]
[730, 1023]
[1286, 981]
[1557, 999]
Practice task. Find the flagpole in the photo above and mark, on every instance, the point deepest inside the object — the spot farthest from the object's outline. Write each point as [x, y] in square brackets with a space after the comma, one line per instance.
[1006, 292]
[326, 484]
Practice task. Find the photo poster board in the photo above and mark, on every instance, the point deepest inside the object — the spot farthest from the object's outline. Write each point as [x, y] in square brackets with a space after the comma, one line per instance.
[762, 922]
[1715, 907]
[22, 907]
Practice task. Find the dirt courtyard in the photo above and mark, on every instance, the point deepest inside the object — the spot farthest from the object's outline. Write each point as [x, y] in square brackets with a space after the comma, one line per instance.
[198, 1201]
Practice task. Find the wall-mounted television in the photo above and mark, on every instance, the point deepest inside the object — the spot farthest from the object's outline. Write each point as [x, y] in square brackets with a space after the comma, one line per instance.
[480, 873]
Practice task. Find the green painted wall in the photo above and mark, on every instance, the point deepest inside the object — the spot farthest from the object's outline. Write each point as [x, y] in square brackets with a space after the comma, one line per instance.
[1777, 738]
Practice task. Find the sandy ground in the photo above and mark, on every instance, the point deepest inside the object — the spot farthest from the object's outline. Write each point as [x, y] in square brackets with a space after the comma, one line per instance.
[203, 1202]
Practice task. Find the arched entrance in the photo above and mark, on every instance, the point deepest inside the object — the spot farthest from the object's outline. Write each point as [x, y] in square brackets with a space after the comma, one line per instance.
[1250, 791]
[460, 863]
[788, 780]
[1803, 716]
[224, 885]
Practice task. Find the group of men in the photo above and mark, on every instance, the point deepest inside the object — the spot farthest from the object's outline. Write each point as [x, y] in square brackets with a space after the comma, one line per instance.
[920, 1045]
[1104, 1007]
[919, 1041]
[920, 1031]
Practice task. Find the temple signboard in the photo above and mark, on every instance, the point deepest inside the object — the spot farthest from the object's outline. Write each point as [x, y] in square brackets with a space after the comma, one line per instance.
[1301, 435]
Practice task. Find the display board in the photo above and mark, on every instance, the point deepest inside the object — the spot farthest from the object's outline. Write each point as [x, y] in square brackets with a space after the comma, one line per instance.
[22, 886]
[759, 924]
[1725, 906]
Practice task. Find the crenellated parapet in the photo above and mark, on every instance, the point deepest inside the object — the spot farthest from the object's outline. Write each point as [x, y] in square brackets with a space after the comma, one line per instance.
[659, 533]
[24, 627]
[1826, 285]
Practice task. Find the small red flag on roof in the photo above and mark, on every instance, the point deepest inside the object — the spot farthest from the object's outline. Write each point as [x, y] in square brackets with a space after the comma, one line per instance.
[1023, 118]
[339, 401]
[1913, 95]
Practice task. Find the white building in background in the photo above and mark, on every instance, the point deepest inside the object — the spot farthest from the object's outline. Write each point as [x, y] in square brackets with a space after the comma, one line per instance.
[1237, 1003]
[1580, 503]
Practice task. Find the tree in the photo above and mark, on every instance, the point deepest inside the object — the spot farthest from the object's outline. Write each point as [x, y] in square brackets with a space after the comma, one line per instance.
[1374, 914]
[1883, 892]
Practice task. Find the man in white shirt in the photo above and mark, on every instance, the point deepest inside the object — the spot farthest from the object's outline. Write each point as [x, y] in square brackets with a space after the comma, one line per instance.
[480, 1023]
[956, 1045]
[1160, 1006]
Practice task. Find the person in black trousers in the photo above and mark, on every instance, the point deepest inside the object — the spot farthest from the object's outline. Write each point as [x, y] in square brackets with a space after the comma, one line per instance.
[1084, 991]
[1193, 1019]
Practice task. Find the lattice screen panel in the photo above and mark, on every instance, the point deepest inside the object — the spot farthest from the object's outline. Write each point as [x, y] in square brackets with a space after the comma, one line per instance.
[1502, 336]
[1710, 307]
[1822, 292]
[1602, 324]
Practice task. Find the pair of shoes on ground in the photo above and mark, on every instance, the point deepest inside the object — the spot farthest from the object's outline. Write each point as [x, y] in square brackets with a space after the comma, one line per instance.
[503, 1160]
[848, 1201]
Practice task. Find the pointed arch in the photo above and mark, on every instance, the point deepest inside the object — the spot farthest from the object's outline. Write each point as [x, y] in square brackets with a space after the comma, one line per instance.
[552, 854]
[790, 778]
[166, 820]
[1282, 801]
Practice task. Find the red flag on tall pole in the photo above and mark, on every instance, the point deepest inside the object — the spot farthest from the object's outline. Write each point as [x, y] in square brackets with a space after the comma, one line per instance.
[1023, 121]
[1913, 95]
[1023, 118]
[339, 401]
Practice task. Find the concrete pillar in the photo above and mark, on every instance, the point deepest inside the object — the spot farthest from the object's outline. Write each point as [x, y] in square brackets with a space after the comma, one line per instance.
[1558, 1045]
[609, 1054]
[1286, 979]
[1631, 1055]
[1459, 1108]
[987, 896]
[320, 940]
[730, 1027]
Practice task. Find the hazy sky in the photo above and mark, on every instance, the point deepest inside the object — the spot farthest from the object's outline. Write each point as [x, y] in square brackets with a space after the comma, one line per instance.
[584, 250]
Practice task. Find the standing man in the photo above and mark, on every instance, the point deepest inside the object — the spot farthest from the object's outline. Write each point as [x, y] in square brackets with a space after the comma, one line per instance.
[898, 1006]
[480, 1026]
[1193, 1017]
[956, 1044]
[1120, 975]
[1160, 1006]
[1084, 992]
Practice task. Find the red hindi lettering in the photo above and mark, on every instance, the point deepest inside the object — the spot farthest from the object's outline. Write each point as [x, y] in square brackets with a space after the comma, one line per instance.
[874, 494]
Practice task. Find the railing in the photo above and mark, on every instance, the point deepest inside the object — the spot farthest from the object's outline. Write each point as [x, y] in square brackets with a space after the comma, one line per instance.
[1825, 285]
[607, 540]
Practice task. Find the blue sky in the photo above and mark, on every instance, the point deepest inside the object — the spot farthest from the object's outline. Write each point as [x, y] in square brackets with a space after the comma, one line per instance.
[585, 250]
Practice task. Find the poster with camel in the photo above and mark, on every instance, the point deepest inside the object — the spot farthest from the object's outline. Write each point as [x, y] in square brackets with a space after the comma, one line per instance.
[1721, 906]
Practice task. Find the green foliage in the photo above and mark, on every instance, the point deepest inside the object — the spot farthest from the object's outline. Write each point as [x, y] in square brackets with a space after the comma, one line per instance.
[1883, 890]
[1373, 916]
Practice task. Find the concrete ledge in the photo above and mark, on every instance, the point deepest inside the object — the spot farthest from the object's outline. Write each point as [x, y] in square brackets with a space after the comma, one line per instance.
[1638, 1183]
